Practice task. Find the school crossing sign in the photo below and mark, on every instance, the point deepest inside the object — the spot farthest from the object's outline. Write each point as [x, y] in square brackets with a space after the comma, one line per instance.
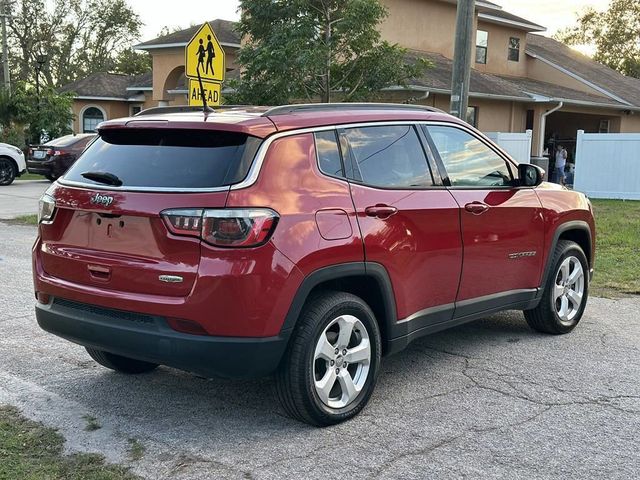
[204, 61]
[211, 90]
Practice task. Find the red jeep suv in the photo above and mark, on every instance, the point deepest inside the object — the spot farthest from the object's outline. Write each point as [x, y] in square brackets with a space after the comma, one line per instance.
[307, 241]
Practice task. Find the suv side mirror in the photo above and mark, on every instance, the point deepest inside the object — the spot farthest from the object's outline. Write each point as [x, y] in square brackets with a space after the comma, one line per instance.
[530, 175]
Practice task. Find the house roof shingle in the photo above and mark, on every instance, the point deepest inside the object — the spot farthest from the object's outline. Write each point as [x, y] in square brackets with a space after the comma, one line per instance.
[558, 93]
[224, 29]
[439, 78]
[501, 15]
[108, 85]
[144, 80]
[610, 81]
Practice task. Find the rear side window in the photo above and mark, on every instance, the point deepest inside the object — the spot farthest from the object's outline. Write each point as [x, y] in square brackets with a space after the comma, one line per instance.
[168, 158]
[329, 159]
[389, 156]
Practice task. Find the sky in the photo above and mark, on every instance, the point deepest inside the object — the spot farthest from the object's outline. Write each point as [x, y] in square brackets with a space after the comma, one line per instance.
[553, 14]
[156, 14]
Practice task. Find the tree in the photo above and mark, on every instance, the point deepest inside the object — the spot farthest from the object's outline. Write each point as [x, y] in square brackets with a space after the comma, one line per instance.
[613, 32]
[77, 37]
[315, 50]
[131, 62]
[21, 110]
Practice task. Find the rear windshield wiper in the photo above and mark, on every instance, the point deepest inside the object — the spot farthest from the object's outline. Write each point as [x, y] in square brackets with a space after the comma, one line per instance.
[103, 177]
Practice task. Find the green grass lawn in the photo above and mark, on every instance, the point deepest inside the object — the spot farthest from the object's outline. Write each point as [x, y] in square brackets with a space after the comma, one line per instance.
[24, 220]
[30, 451]
[617, 269]
[31, 176]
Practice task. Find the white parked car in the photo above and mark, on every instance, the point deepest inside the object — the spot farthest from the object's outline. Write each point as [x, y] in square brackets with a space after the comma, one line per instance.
[12, 163]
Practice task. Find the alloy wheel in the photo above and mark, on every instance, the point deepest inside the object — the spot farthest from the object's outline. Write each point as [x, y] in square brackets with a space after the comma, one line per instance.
[6, 170]
[341, 361]
[568, 291]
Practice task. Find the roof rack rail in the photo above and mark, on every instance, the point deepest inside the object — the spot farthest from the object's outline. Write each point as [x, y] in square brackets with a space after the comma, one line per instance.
[323, 107]
[186, 109]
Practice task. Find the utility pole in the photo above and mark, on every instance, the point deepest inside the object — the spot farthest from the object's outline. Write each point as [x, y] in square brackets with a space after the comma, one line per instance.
[462, 58]
[4, 14]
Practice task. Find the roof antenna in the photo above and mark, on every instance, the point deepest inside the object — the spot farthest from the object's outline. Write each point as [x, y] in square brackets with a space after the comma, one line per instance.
[205, 108]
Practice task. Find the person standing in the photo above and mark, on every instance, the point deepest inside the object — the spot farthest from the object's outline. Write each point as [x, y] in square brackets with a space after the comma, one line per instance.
[561, 163]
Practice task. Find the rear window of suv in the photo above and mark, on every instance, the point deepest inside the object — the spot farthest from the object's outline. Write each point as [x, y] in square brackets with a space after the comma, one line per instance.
[163, 158]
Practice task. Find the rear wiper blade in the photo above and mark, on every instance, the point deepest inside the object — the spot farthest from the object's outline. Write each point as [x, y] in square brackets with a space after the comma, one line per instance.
[103, 177]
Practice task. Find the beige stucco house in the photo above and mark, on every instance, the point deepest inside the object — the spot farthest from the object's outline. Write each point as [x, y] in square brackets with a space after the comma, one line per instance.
[520, 79]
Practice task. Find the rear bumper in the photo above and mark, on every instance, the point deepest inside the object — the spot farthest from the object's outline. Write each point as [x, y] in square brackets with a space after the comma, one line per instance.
[149, 338]
[39, 167]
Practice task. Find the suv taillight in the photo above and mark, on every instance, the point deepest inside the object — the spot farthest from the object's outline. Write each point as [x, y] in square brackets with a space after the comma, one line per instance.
[46, 208]
[237, 228]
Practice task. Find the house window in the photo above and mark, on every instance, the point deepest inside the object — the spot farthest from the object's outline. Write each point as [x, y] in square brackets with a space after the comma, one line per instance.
[482, 42]
[91, 117]
[604, 126]
[135, 109]
[529, 120]
[514, 49]
[472, 116]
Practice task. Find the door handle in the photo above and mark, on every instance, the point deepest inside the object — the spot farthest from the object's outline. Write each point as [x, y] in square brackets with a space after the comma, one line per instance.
[380, 211]
[477, 208]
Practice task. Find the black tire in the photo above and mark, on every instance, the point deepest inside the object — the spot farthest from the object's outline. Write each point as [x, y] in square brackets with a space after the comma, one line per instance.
[8, 171]
[120, 364]
[295, 379]
[544, 318]
[51, 177]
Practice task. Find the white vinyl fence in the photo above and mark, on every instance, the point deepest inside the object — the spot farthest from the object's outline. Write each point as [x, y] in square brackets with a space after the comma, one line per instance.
[608, 165]
[518, 145]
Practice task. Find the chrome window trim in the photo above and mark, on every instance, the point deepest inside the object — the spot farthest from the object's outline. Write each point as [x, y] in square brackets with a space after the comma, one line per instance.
[91, 186]
[254, 171]
[256, 166]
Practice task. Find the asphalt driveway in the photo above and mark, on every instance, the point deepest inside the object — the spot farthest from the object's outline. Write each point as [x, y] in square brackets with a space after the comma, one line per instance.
[21, 198]
[487, 400]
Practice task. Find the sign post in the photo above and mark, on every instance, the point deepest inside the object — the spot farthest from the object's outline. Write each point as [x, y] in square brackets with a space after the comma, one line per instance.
[205, 62]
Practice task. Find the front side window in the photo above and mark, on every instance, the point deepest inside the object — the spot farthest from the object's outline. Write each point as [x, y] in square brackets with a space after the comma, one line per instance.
[482, 44]
[389, 156]
[328, 153]
[514, 49]
[91, 118]
[468, 161]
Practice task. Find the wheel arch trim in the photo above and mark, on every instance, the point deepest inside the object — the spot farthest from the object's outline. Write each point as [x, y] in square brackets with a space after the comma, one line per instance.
[372, 270]
[563, 228]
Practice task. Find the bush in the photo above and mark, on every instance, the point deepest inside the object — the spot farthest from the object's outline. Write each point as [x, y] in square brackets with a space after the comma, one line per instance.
[14, 135]
[23, 112]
